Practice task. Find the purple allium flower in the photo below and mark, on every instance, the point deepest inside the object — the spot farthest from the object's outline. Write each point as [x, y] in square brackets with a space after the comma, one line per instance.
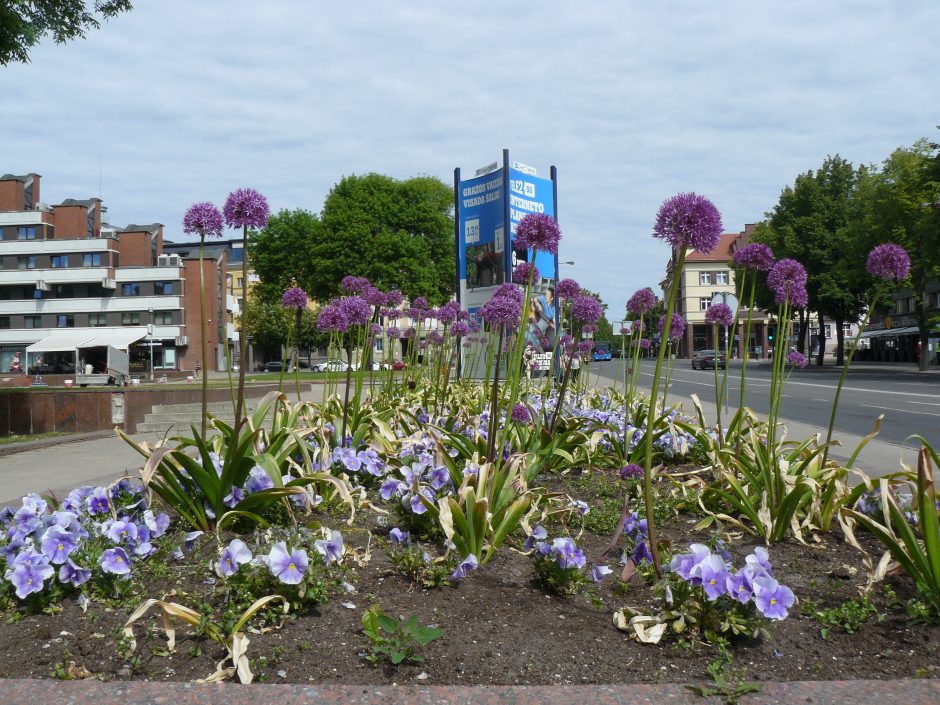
[331, 549]
[375, 329]
[599, 572]
[676, 327]
[258, 480]
[796, 358]
[409, 333]
[466, 565]
[643, 301]
[771, 598]
[689, 220]
[525, 272]
[502, 311]
[459, 329]
[354, 284]
[115, 561]
[245, 207]
[295, 297]
[400, 537]
[57, 544]
[373, 296]
[393, 332]
[233, 555]
[538, 231]
[889, 262]
[511, 291]
[632, 472]
[288, 567]
[586, 309]
[568, 289]
[73, 574]
[585, 347]
[420, 303]
[567, 553]
[332, 319]
[28, 578]
[435, 338]
[448, 313]
[393, 298]
[520, 414]
[538, 534]
[786, 275]
[645, 343]
[356, 310]
[719, 314]
[203, 219]
[756, 256]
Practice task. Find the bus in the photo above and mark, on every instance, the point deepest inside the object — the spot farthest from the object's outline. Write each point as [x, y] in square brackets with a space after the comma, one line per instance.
[601, 350]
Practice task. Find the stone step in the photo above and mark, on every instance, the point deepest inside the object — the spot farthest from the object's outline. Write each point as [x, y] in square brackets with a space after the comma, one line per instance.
[214, 406]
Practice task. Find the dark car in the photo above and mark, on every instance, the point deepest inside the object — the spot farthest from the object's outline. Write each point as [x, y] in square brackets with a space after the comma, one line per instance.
[706, 359]
[273, 366]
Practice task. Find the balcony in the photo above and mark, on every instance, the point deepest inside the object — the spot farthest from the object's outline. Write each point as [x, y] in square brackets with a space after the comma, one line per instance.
[118, 304]
[43, 278]
[54, 247]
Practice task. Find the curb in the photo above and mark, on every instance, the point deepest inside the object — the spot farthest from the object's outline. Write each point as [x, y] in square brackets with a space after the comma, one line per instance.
[909, 692]
[13, 448]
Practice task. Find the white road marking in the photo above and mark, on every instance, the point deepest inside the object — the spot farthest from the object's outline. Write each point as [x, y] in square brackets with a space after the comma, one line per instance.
[822, 386]
[903, 411]
[927, 403]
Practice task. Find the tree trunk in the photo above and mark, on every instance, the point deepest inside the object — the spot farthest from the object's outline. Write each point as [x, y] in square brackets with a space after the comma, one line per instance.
[801, 341]
[923, 359]
[821, 355]
[840, 342]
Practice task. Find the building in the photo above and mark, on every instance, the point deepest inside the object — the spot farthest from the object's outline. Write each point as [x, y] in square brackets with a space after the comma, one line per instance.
[67, 276]
[895, 337]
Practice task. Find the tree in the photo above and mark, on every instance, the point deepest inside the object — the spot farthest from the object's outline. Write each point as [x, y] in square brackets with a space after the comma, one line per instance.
[901, 206]
[24, 22]
[281, 253]
[605, 330]
[399, 234]
[267, 325]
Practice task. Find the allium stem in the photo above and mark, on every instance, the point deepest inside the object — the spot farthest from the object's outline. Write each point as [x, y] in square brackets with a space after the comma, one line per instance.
[747, 335]
[204, 336]
[491, 436]
[242, 337]
[845, 370]
[648, 497]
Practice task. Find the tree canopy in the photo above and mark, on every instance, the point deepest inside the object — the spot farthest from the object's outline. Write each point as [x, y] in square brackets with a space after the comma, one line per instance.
[24, 23]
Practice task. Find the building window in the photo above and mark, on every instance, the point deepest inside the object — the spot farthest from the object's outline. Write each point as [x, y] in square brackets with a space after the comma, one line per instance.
[92, 260]
[59, 261]
[32, 321]
[26, 262]
[130, 289]
[238, 282]
[95, 290]
[37, 293]
[65, 320]
[847, 330]
[130, 319]
[721, 277]
[97, 319]
[163, 288]
[163, 318]
[4, 321]
[704, 278]
[26, 233]
[64, 291]
[704, 303]
[910, 304]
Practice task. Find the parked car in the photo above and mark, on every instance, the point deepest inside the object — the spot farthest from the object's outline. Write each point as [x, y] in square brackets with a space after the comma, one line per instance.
[332, 365]
[706, 359]
[398, 365]
[273, 366]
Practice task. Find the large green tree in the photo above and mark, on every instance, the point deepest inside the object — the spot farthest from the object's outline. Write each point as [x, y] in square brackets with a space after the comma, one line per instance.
[399, 234]
[281, 253]
[23, 23]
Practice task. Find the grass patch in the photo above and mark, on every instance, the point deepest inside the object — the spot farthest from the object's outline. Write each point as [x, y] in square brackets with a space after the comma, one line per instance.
[8, 440]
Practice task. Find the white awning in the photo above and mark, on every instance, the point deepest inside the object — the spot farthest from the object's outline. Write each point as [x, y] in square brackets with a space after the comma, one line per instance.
[890, 332]
[59, 342]
[119, 339]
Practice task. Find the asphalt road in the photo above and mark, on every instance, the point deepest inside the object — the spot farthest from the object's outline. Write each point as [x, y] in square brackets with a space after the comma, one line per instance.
[909, 400]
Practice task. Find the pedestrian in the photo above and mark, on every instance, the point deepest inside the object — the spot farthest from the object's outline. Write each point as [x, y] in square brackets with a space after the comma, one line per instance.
[198, 368]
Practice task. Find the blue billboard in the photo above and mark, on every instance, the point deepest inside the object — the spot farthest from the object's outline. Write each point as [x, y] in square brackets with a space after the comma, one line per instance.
[530, 194]
[481, 230]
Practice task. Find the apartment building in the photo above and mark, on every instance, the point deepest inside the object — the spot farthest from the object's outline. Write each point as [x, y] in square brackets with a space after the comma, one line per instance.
[67, 277]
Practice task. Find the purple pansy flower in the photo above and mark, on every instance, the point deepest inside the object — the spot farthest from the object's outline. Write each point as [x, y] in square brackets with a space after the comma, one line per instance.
[466, 565]
[771, 598]
[567, 553]
[400, 537]
[57, 544]
[115, 562]
[288, 567]
[29, 577]
[233, 556]
[538, 534]
[599, 572]
[258, 480]
[73, 574]
[332, 548]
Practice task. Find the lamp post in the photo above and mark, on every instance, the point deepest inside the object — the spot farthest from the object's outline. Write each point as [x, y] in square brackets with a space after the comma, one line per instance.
[150, 341]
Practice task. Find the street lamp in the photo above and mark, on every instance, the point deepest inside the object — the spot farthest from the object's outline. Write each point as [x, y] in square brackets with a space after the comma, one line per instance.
[150, 341]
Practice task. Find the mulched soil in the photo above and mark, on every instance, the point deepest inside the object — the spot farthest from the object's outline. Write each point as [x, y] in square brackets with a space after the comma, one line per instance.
[502, 628]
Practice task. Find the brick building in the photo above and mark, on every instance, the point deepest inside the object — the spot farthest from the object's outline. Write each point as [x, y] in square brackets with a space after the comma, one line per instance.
[67, 276]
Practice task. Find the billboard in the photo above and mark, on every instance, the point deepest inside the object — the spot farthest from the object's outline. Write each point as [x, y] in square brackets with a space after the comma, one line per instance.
[530, 194]
[481, 230]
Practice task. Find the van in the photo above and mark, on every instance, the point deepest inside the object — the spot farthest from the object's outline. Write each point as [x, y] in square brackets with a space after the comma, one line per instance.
[601, 350]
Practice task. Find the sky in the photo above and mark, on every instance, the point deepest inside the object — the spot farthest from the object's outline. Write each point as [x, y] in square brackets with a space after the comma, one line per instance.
[633, 102]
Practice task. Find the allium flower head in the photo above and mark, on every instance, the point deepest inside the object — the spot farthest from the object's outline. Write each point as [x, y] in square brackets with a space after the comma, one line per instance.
[503, 311]
[203, 219]
[459, 329]
[889, 262]
[676, 326]
[295, 297]
[785, 278]
[642, 301]
[796, 358]
[689, 220]
[632, 472]
[393, 298]
[420, 303]
[354, 284]
[525, 272]
[356, 310]
[373, 296]
[719, 314]
[332, 319]
[393, 332]
[568, 289]
[586, 309]
[520, 414]
[245, 207]
[755, 256]
[645, 343]
[538, 231]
